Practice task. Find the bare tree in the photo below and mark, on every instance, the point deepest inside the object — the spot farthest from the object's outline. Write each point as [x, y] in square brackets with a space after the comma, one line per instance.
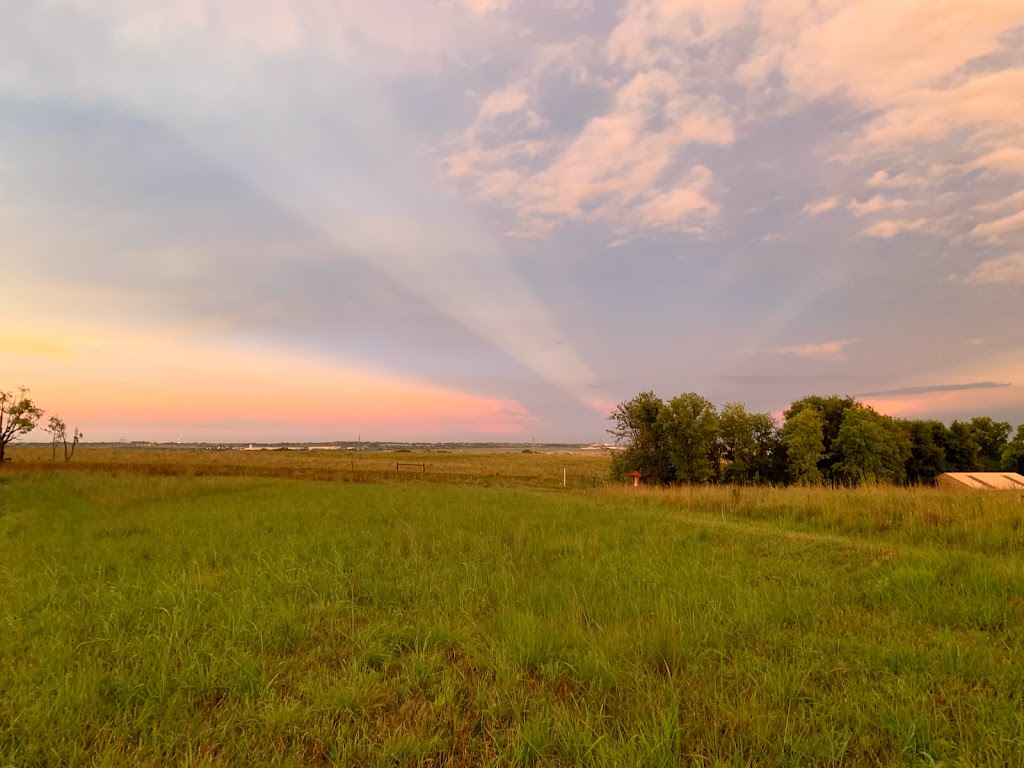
[18, 416]
[57, 429]
[59, 432]
[75, 439]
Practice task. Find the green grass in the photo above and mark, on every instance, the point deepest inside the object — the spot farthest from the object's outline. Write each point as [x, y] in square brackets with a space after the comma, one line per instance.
[152, 620]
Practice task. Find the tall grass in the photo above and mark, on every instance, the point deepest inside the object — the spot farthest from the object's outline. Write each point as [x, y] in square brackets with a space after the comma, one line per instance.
[989, 522]
[154, 620]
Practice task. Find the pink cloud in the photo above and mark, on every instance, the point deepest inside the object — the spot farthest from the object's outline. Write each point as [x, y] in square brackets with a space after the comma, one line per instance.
[883, 179]
[1001, 226]
[828, 350]
[1009, 159]
[876, 204]
[1004, 270]
[889, 229]
[819, 207]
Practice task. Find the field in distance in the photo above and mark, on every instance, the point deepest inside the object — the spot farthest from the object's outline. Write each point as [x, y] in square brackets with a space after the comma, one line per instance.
[155, 620]
[513, 468]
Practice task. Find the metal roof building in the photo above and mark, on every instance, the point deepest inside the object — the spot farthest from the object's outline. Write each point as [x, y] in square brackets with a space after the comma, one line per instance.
[981, 481]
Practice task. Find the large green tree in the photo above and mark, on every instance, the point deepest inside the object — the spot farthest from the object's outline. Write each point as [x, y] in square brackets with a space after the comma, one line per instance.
[639, 430]
[738, 444]
[691, 429]
[803, 436]
[18, 416]
[770, 459]
[832, 410]
[1013, 453]
[991, 437]
[963, 454]
[750, 445]
[927, 454]
[870, 448]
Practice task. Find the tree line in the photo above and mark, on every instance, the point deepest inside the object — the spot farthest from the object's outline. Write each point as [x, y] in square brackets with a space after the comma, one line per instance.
[822, 440]
[19, 415]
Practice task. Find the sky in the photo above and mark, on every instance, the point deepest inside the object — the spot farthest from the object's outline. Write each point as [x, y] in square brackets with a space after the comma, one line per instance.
[494, 219]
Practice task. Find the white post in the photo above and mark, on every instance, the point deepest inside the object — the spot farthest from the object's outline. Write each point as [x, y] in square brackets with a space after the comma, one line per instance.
[563, 478]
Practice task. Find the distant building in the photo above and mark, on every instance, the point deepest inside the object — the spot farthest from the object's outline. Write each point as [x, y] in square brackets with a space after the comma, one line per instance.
[981, 481]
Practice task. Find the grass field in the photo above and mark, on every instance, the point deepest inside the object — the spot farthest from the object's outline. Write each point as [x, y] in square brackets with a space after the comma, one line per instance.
[149, 619]
[512, 469]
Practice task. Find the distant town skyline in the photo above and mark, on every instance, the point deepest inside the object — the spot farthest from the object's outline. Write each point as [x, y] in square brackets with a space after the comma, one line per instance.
[492, 220]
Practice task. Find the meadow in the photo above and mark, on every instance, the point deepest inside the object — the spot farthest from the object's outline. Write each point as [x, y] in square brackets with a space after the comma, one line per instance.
[515, 469]
[158, 617]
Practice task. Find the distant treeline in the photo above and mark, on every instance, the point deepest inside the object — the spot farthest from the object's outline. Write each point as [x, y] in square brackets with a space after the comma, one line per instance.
[831, 440]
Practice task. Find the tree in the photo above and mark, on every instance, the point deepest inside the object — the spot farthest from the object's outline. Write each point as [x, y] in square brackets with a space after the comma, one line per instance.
[59, 432]
[870, 448]
[18, 416]
[638, 428]
[832, 410]
[991, 437]
[750, 445]
[1013, 453]
[57, 429]
[738, 444]
[962, 449]
[770, 455]
[927, 455]
[803, 436]
[690, 427]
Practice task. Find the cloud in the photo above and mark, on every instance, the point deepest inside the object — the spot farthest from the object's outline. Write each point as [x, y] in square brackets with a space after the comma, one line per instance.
[1006, 270]
[625, 167]
[889, 229]
[1001, 226]
[1009, 159]
[829, 350]
[883, 179]
[1015, 201]
[503, 102]
[876, 204]
[821, 206]
[482, 7]
[937, 85]
[924, 390]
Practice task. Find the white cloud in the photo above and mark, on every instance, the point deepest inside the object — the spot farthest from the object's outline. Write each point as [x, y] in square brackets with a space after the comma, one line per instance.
[828, 350]
[625, 168]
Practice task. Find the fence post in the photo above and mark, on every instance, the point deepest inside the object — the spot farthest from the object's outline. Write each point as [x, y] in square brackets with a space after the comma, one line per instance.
[563, 478]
